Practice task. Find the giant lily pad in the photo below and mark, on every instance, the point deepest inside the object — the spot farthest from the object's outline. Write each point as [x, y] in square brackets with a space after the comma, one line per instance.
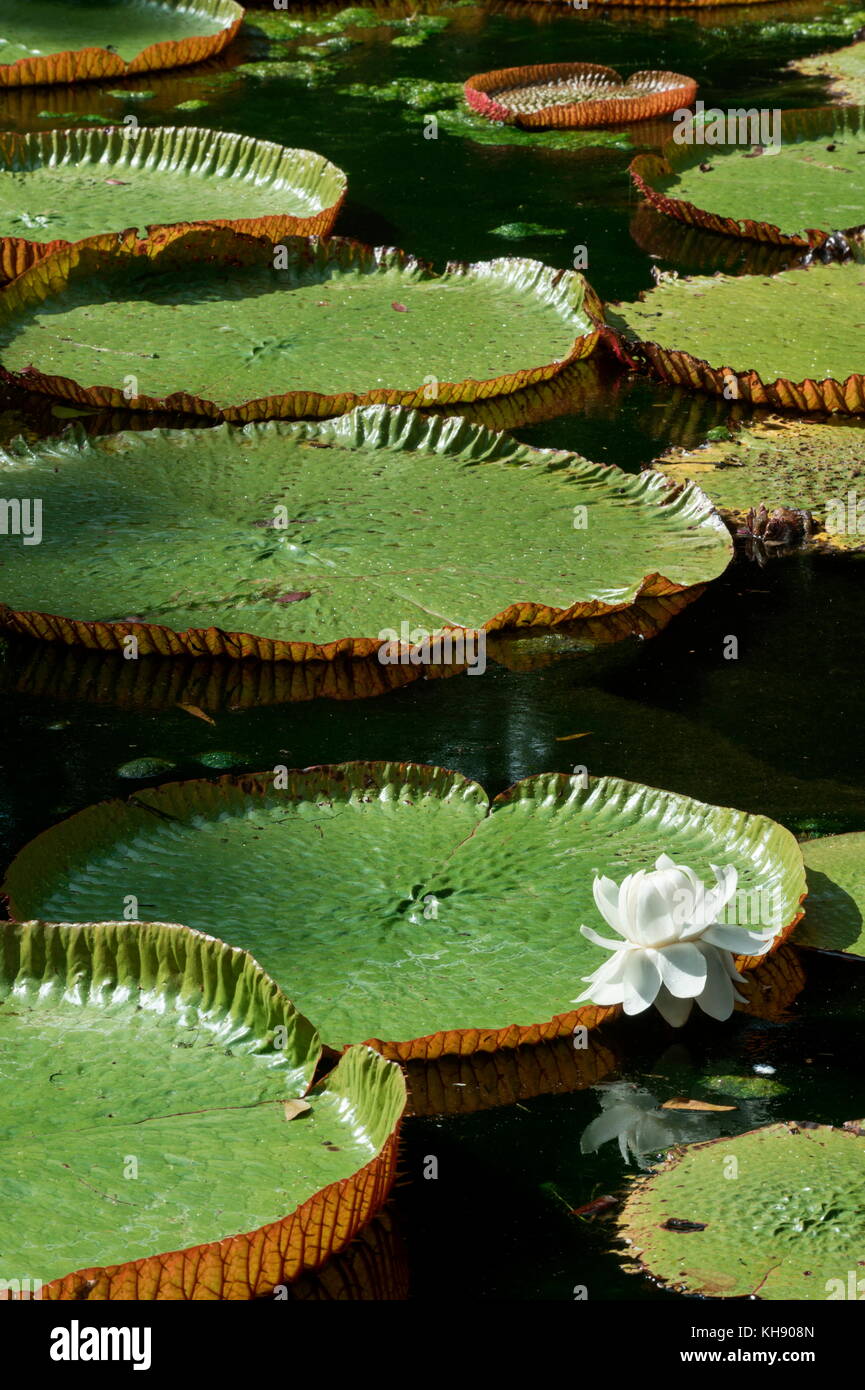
[575, 95]
[149, 1077]
[83, 40]
[835, 920]
[786, 1223]
[404, 907]
[289, 542]
[792, 340]
[782, 462]
[793, 193]
[200, 320]
[844, 71]
[60, 186]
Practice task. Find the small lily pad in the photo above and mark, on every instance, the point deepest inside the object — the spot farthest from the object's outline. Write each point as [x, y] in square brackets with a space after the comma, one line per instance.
[746, 1087]
[784, 1223]
[142, 768]
[220, 760]
[522, 231]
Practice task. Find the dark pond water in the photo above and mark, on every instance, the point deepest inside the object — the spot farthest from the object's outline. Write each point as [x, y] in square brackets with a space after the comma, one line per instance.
[777, 731]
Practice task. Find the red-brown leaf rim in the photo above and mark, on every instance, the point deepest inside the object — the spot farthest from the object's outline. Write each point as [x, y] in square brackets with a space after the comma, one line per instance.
[649, 169]
[17, 150]
[94, 64]
[195, 242]
[664, 92]
[252, 1263]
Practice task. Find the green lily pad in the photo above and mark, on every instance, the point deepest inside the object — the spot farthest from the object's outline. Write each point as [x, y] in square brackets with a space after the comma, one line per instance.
[92, 118]
[522, 231]
[310, 74]
[208, 321]
[835, 915]
[295, 546]
[361, 875]
[145, 1073]
[785, 1223]
[746, 1087]
[141, 768]
[794, 339]
[844, 70]
[64, 185]
[79, 40]
[797, 191]
[220, 760]
[788, 463]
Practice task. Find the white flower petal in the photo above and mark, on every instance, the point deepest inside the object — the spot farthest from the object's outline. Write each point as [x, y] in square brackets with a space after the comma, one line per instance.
[717, 997]
[606, 984]
[591, 935]
[610, 971]
[725, 886]
[652, 921]
[606, 896]
[674, 1011]
[628, 905]
[683, 969]
[737, 939]
[642, 980]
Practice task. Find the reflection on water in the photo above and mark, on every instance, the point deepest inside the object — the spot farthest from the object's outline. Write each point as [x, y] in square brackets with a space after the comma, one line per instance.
[634, 1118]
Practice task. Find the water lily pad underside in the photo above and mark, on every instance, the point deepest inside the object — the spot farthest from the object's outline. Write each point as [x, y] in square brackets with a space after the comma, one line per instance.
[61, 186]
[793, 194]
[784, 462]
[405, 907]
[146, 1149]
[87, 40]
[793, 340]
[835, 919]
[311, 541]
[574, 95]
[844, 71]
[790, 1220]
[200, 321]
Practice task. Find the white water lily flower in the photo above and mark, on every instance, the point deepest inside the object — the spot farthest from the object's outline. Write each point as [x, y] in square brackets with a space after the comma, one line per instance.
[673, 948]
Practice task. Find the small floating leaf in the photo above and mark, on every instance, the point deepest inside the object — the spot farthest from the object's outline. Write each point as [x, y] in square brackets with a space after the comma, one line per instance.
[141, 768]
